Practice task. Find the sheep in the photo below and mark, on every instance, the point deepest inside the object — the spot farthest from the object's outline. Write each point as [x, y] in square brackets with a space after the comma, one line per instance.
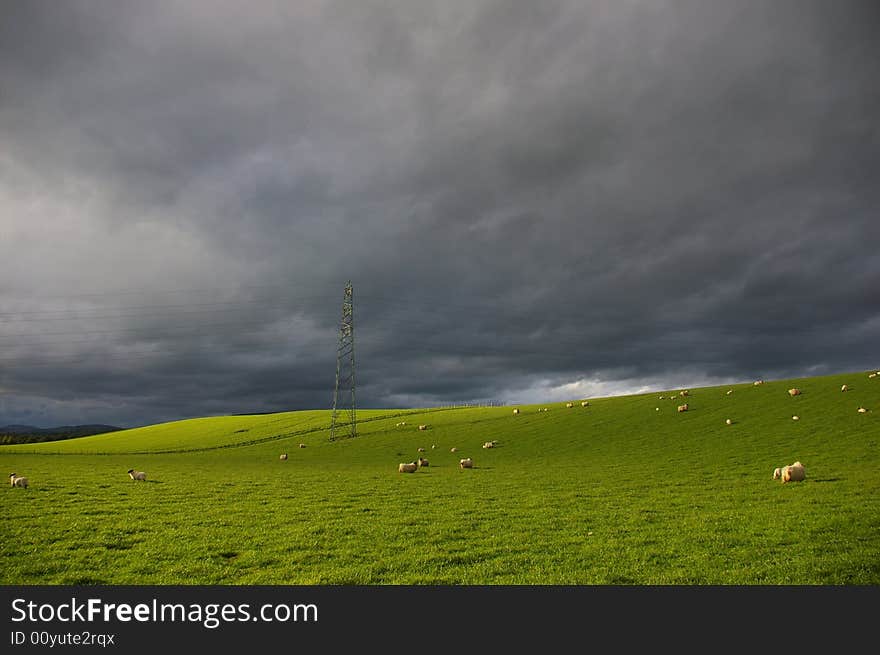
[862, 410]
[410, 467]
[421, 450]
[433, 446]
[758, 382]
[422, 461]
[585, 403]
[466, 463]
[15, 480]
[777, 473]
[729, 391]
[662, 398]
[793, 473]
[569, 405]
[137, 475]
[423, 427]
[453, 449]
[488, 444]
[516, 411]
[684, 393]
[656, 409]
[795, 418]
[844, 388]
[794, 392]
[283, 456]
[683, 408]
[302, 445]
[729, 422]
[872, 375]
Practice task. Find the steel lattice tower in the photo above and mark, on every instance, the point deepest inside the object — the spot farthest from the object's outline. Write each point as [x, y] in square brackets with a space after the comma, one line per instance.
[345, 404]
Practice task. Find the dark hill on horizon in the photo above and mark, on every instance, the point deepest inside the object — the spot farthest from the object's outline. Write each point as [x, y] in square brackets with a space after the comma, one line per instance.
[15, 433]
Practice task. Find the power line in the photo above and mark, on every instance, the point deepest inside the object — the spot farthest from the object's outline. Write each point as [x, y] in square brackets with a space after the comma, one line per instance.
[345, 372]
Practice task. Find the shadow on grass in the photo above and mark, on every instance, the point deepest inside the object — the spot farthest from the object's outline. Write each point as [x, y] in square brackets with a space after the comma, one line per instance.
[826, 479]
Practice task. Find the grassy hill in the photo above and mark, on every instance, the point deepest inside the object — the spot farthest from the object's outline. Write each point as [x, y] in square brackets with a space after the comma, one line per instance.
[624, 491]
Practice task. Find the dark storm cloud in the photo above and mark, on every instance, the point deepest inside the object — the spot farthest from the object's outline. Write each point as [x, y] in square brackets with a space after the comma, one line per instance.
[534, 200]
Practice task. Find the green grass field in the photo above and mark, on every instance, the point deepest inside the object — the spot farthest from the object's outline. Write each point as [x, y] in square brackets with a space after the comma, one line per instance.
[614, 493]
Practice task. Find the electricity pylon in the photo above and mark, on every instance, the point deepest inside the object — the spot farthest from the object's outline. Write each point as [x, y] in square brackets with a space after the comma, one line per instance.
[345, 404]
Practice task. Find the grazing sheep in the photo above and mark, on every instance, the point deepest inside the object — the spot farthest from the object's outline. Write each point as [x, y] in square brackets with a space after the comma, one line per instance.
[137, 475]
[410, 467]
[872, 375]
[862, 410]
[729, 422]
[421, 461]
[795, 418]
[684, 393]
[793, 473]
[662, 398]
[794, 392]
[453, 449]
[423, 427]
[488, 444]
[516, 411]
[466, 463]
[683, 408]
[302, 445]
[585, 403]
[844, 388]
[283, 456]
[729, 391]
[421, 450]
[757, 382]
[15, 480]
[569, 405]
[433, 446]
[777, 473]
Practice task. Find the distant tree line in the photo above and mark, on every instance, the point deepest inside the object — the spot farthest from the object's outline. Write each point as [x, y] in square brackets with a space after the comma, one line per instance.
[52, 434]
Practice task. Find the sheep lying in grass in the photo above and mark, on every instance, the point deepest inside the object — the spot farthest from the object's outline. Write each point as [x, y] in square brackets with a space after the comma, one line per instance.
[794, 392]
[137, 475]
[282, 456]
[489, 444]
[683, 408]
[421, 461]
[862, 410]
[793, 473]
[15, 480]
[410, 467]
[466, 463]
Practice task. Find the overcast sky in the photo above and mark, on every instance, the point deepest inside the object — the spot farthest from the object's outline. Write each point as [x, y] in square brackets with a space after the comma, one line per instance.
[534, 201]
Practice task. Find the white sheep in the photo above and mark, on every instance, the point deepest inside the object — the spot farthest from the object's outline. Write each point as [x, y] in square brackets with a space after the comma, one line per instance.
[421, 461]
[795, 418]
[844, 388]
[421, 450]
[794, 392]
[684, 393]
[302, 445]
[516, 411]
[137, 475]
[453, 449]
[872, 375]
[15, 480]
[729, 391]
[488, 444]
[569, 405]
[729, 422]
[662, 398]
[862, 410]
[793, 473]
[585, 403]
[466, 463]
[283, 456]
[757, 382]
[410, 467]
[683, 408]
[423, 427]
[777, 473]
